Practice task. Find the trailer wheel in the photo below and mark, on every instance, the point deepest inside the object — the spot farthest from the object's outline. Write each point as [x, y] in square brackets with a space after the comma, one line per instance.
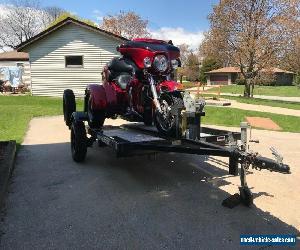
[69, 106]
[78, 141]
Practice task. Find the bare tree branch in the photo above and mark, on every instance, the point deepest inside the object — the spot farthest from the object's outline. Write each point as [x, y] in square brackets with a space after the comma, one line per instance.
[23, 19]
[252, 34]
[126, 24]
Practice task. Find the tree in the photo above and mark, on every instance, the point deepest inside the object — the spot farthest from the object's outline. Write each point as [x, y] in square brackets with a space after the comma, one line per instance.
[291, 59]
[251, 34]
[189, 63]
[208, 64]
[184, 53]
[51, 14]
[21, 21]
[191, 68]
[54, 11]
[65, 15]
[126, 24]
[209, 50]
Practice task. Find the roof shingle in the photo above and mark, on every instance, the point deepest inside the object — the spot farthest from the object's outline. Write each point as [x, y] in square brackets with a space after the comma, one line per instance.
[237, 70]
[14, 56]
[62, 23]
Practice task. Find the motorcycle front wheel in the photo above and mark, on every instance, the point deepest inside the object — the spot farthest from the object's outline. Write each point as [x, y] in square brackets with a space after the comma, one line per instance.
[165, 121]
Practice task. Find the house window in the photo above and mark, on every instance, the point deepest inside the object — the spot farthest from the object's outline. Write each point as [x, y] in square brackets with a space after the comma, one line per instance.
[20, 65]
[74, 61]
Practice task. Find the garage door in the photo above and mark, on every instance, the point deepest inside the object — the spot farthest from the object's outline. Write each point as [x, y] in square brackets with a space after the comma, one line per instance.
[219, 79]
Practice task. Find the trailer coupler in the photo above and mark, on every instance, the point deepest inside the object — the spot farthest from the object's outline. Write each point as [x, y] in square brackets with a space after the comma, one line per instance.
[251, 159]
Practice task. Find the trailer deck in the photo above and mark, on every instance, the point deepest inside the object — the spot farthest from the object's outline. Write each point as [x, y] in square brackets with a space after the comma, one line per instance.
[136, 139]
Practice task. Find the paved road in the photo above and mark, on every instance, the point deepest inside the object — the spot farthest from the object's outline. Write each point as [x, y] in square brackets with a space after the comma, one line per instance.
[136, 203]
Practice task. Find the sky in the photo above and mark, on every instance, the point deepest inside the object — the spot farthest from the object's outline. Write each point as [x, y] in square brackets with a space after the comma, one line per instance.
[180, 21]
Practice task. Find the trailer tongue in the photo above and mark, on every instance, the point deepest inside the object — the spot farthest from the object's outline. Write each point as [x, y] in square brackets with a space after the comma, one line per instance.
[191, 138]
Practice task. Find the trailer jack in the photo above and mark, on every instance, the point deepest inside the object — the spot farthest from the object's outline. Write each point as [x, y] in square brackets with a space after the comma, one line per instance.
[190, 127]
[247, 159]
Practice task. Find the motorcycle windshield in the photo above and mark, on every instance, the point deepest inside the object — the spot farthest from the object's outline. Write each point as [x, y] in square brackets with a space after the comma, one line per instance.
[154, 45]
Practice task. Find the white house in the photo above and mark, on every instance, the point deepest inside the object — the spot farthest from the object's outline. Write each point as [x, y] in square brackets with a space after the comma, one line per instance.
[20, 59]
[70, 54]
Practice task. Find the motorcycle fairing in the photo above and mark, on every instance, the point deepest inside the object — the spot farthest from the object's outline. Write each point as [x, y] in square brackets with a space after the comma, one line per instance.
[168, 86]
[139, 49]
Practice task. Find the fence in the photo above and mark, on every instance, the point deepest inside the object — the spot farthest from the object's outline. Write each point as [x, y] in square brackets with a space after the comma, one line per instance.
[201, 89]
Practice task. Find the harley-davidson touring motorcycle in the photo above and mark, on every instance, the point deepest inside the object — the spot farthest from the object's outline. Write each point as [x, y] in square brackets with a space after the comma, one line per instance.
[138, 86]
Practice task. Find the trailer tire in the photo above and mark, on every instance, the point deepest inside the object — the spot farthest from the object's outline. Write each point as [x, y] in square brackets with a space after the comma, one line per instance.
[79, 141]
[69, 106]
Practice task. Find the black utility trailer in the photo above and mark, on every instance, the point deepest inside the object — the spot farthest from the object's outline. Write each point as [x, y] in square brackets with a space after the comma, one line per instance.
[192, 138]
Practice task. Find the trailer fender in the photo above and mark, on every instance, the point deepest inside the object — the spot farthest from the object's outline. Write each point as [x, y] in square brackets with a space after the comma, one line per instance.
[97, 96]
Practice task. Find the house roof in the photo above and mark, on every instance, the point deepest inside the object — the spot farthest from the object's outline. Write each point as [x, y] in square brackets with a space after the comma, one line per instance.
[225, 70]
[63, 23]
[237, 70]
[277, 70]
[14, 56]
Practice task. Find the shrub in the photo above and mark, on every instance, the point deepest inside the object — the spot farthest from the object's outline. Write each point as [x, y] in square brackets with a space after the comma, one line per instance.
[296, 81]
[240, 81]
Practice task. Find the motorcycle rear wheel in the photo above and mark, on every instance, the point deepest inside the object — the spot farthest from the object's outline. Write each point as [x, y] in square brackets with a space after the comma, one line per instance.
[166, 121]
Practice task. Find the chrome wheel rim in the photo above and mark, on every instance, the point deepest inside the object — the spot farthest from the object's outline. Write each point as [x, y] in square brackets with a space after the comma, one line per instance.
[165, 117]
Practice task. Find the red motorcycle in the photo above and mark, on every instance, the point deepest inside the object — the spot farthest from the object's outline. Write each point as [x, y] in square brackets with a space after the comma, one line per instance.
[137, 86]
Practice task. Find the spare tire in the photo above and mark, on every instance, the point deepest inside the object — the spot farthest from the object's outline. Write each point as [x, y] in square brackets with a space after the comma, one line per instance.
[69, 106]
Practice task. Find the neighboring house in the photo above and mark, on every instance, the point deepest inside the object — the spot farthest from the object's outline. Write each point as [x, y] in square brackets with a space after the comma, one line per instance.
[20, 59]
[229, 75]
[70, 54]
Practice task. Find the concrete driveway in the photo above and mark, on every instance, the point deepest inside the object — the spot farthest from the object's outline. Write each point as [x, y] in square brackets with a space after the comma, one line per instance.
[173, 202]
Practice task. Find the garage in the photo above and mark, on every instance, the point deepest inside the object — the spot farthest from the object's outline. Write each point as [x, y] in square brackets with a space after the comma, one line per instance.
[70, 54]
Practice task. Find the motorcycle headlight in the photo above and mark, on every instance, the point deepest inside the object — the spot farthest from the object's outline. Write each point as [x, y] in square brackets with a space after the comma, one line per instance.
[174, 64]
[160, 63]
[147, 62]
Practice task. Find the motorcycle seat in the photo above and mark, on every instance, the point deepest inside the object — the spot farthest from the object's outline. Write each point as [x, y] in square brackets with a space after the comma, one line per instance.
[118, 64]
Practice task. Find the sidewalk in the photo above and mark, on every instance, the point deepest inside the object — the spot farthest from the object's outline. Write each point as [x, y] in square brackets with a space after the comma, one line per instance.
[266, 97]
[263, 108]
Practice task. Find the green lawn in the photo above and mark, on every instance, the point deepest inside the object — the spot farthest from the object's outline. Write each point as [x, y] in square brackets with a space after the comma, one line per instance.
[288, 91]
[232, 117]
[187, 84]
[17, 111]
